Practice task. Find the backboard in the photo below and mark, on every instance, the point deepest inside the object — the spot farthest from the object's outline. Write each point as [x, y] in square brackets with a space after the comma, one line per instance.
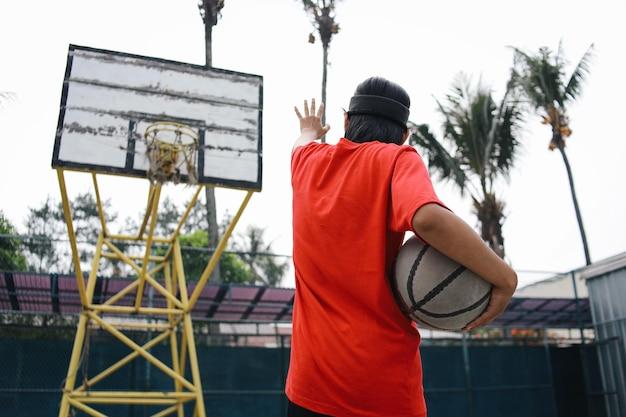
[110, 98]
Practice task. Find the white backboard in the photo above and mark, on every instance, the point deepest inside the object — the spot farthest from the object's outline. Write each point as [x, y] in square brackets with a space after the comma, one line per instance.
[109, 98]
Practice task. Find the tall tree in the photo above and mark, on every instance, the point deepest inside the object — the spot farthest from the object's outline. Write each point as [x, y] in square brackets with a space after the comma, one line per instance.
[266, 268]
[542, 79]
[210, 11]
[44, 227]
[11, 257]
[322, 14]
[479, 147]
[195, 258]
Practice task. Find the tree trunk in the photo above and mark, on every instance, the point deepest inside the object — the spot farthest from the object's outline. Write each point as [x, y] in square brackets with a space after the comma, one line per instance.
[211, 211]
[324, 79]
[490, 214]
[579, 218]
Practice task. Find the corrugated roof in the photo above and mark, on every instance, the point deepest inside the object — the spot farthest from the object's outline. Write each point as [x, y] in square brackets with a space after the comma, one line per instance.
[52, 293]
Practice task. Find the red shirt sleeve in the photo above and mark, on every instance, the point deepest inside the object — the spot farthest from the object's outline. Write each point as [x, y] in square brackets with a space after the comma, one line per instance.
[411, 188]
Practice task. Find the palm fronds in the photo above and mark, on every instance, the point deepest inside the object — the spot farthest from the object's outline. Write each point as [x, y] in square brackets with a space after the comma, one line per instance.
[574, 85]
[440, 162]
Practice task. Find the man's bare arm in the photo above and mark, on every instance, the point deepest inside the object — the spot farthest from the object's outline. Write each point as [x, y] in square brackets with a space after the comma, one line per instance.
[450, 235]
[311, 128]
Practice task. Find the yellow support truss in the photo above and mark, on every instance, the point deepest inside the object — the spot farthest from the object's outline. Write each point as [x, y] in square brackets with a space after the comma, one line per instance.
[172, 324]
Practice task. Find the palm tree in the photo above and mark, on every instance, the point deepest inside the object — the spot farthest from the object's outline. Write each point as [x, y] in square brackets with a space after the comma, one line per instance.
[322, 14]
[479, 147]
[210, 11]
[541, 78]
[265, 267]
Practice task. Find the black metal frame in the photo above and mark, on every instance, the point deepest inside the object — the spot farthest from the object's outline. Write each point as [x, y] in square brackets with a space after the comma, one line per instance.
[249, 185]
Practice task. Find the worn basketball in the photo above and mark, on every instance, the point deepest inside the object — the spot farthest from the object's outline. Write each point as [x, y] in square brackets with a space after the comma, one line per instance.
[436, 291]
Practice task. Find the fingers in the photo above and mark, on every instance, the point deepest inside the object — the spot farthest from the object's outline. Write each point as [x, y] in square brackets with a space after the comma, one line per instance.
[306, 109]
[481, 320]
[320, 111]
[494, 309]
[313, 106]
[297, 112]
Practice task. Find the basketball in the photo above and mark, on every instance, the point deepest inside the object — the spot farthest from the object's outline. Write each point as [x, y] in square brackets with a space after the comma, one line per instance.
[435, 291]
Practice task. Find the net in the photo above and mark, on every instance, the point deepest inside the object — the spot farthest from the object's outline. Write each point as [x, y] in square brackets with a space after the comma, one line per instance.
[171, 149]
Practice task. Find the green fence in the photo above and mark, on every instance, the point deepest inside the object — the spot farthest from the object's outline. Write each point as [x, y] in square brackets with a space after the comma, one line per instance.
[462, 379]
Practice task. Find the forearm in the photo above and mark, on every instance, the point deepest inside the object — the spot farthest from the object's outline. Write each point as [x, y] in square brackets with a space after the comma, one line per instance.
[305, 138]
[450, 235]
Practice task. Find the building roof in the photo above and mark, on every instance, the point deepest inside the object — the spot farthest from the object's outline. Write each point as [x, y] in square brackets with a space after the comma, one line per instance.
[603, 266]
[53, 293]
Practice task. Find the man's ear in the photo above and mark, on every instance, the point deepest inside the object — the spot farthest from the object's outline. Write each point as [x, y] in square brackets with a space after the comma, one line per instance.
[346, 121]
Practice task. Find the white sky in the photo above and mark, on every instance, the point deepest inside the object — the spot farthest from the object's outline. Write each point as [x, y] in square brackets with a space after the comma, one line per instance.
[420, 45]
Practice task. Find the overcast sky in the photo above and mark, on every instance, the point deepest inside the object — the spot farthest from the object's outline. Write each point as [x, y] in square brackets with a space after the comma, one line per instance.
[420, 45]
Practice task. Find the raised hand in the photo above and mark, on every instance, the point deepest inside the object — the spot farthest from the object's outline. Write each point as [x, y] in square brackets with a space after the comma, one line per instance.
[311, 123]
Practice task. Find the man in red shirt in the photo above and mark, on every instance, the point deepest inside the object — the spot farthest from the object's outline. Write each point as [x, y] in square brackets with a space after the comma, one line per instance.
[353, 352]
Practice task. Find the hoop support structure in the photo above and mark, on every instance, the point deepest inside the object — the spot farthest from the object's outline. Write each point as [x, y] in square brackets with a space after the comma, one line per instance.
[166, 275]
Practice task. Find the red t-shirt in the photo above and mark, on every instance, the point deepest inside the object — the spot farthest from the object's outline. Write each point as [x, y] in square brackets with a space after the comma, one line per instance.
[353, 352]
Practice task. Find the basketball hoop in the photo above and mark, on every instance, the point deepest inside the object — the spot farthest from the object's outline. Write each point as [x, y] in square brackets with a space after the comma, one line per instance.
[170, 147]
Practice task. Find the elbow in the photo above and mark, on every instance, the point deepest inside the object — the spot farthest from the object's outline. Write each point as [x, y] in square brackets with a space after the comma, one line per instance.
[425, 220]
[512, 281]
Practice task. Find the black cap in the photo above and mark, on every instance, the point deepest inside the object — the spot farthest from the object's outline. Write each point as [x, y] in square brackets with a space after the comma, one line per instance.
[380, 106]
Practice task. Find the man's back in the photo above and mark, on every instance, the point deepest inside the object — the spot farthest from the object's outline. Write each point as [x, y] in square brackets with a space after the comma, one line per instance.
[353, 352]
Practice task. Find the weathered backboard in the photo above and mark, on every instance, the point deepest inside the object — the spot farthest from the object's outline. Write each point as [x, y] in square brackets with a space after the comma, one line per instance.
[109, 98]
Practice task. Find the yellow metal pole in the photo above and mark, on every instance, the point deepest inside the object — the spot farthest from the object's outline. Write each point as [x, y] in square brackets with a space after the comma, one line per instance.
[86, 409]
[103, 222]
[83, 395]
[173, 340]
[93, 274]
[146, 216]
[80, 334]
[193, 364]
[138, 401]
[183, 340]
[146, 276]
[188, 331]
[67, 212]
[130, 310]
[122, 293]
[157, 239]
[190, 207]
[144, 266]
[139, 325]
[183, 219]
[72, 369]
[218, 252]
[147, 355]
[126, 359]
[109, 255]
[166, 412]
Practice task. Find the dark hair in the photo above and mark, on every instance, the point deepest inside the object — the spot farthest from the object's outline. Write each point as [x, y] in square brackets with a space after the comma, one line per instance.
[368, 127]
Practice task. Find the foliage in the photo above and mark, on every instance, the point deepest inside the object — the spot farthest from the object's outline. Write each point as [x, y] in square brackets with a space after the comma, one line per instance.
[542, 79]
[45, 226]
[210, 10]
[322, 14]
[11, 258]
[232, 269]
[480, 146]
[256, 253]
[48, 251]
